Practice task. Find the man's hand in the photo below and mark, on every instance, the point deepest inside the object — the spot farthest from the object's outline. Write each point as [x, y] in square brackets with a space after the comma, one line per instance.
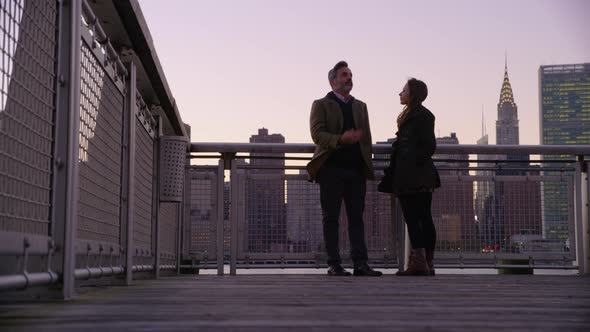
[351, 136]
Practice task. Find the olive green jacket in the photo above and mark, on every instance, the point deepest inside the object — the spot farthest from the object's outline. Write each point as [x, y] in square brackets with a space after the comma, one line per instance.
[326, 123]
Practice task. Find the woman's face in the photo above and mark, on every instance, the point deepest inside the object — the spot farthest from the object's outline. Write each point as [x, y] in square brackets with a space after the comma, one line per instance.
[404, 96]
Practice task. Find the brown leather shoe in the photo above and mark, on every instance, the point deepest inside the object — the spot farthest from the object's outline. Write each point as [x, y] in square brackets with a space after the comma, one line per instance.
[417, 264]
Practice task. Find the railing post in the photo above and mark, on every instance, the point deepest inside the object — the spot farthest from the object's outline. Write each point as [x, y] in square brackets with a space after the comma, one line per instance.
[400, 234]
[180, 230]
[233, 216]
[581, 207]
[186, 201]
[587, 220]
[582, 213]
[128, 172]
[220, 207]
[156, 198]
[67, 122]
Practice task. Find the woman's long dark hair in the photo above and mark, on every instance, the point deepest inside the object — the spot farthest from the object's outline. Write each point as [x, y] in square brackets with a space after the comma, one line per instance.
[418, 93]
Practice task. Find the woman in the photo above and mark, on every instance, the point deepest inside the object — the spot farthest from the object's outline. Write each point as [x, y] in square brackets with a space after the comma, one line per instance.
[414, 175]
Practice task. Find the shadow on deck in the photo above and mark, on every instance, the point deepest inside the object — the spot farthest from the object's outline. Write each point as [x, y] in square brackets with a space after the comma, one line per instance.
[318, 303]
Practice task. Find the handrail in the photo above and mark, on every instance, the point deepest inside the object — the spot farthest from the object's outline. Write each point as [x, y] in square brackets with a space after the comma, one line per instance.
[577, 150]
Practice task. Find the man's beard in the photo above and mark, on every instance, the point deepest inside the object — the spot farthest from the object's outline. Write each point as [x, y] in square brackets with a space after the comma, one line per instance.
[346, 86]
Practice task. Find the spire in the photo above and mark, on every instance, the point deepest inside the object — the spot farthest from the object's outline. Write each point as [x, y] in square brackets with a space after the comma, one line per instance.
[483, 126]
[506, 96]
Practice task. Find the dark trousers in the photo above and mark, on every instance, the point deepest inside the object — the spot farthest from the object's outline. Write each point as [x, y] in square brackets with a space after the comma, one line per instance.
[337, 184]
[417, 213]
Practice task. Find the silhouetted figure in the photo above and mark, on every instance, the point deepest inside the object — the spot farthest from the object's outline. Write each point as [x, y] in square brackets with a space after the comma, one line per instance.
[341, 164]
[414, 175]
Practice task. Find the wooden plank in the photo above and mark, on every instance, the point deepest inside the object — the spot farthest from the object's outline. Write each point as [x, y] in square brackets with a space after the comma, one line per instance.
[318, 302]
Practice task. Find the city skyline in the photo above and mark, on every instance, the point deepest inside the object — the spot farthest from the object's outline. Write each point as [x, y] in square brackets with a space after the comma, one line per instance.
[235, 67]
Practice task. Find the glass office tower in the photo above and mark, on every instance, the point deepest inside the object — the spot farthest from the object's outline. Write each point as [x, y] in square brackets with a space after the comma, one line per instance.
[564, 118]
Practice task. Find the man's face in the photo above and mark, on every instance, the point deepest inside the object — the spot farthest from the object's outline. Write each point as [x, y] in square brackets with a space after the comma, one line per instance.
[343, 81]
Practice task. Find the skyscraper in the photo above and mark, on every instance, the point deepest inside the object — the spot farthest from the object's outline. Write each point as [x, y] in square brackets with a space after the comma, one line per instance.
[515, 207]
[507, 123]
[486, 205]
[564, 118]
[304, 215]
[452, 204]
[564, 102]
[266, 210]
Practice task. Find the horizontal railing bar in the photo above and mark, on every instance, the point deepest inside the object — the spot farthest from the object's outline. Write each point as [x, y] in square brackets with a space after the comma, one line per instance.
[204, 156]
[575, 150]
[98, 272]
[167, 267]
[271, 167]
[142, 268]
[444, 177]
[502, 161]
[21, 281]
[501, 169]
[436, 160]
[274, 157]
[254, 266]
[439, 168]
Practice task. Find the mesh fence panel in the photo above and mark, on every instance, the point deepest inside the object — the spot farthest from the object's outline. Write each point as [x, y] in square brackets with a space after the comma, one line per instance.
[304, 217]
[281, 215]
[168, 232]
[266, 214]
[27, 93]
[144, 188]
[379, 234]
[101, 117]
[503, 214]
[203, 212]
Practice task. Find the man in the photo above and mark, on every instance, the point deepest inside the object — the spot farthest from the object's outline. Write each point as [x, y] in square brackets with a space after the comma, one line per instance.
[341, 164]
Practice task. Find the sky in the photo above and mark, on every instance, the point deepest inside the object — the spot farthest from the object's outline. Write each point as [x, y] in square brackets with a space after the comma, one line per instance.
[236, 66]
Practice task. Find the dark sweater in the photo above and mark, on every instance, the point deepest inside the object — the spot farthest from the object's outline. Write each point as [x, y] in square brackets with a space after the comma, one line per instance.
[346, 155]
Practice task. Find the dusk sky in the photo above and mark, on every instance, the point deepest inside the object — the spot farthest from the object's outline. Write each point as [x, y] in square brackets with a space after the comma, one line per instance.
[236, 66]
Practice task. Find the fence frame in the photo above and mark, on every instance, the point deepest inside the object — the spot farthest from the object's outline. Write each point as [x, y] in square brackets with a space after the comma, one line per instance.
[228, 156]
[65, 193]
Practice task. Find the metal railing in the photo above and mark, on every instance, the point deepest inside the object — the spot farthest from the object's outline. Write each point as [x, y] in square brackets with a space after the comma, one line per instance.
[79, 155]
[499, 208]
[92, 176]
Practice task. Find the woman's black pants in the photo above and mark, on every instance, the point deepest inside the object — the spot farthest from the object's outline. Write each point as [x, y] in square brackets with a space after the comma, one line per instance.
[416, 208]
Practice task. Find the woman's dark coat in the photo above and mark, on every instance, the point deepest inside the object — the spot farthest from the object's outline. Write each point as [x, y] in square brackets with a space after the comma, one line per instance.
[411, 162]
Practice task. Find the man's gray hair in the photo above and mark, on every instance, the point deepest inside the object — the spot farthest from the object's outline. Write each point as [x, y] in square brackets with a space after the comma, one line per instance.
[333, 71]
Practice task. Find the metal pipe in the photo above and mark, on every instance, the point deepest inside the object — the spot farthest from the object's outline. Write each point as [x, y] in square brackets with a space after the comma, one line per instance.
[64, 204]
[233, 217]
[98, 272]
[253, 266]
[128, 187]
[386, 148]
[168, 267]
[220, 211]
[21, 281]
[143, 268]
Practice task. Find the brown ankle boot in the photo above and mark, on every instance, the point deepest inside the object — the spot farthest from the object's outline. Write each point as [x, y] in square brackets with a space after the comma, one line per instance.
[429, 260]
[416, 265]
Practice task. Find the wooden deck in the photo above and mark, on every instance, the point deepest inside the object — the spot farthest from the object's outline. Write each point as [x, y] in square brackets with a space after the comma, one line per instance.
[318, 303]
